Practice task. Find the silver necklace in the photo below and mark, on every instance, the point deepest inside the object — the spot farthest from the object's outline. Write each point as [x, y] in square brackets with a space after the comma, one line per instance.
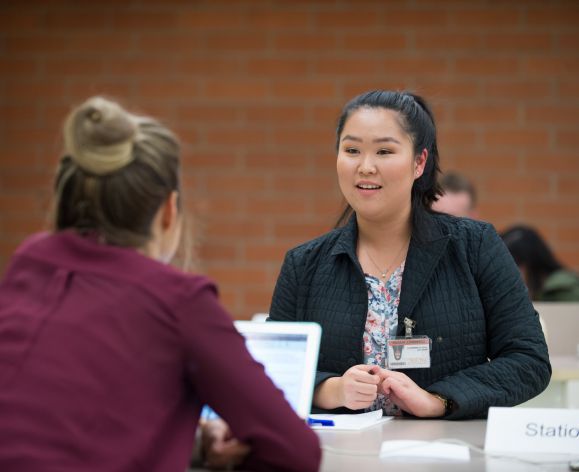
[384, 273]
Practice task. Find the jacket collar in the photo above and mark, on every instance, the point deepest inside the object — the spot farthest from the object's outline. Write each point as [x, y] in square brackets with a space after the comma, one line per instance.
[348, 239]
[427, 245]
[425, 231]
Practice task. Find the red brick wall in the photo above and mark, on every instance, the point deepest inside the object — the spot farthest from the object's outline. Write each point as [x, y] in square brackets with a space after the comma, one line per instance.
[254, 89]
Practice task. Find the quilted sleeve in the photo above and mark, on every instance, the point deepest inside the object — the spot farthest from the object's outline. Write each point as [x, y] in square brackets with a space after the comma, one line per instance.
[518, 365]
[284, 304]
[284, 301]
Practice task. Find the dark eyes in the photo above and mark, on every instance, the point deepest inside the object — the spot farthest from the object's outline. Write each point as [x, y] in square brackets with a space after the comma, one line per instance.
[353, 151]
[383, 152]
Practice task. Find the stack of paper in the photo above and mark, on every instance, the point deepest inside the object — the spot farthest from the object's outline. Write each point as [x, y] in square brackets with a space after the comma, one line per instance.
[351, 422]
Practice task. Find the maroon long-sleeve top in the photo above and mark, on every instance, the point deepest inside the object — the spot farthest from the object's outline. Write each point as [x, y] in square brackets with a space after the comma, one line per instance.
[107, 357]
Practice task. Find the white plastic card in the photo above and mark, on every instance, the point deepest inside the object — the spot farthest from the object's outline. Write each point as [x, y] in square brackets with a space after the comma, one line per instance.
[430, 450]
[409, 352]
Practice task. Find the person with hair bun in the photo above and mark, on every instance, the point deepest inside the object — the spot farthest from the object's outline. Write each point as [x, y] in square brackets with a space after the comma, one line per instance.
[422, 313]
[107, 353]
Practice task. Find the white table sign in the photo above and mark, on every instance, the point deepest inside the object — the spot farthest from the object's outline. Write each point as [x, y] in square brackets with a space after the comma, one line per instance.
[532, 430]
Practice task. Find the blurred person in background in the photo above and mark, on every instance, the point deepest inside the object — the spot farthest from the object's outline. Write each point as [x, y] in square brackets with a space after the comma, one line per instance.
[108, 353]
[458, 196]
[546, 278]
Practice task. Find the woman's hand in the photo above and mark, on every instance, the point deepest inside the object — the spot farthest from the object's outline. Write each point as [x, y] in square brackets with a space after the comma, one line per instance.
[408, 396]
[356, 389]
[219, 448]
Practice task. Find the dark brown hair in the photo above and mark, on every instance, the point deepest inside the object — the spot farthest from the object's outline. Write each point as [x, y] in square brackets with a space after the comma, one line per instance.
[531, 251]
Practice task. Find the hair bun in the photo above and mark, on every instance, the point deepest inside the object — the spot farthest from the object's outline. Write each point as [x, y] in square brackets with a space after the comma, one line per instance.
[96, 116]
[99, 135]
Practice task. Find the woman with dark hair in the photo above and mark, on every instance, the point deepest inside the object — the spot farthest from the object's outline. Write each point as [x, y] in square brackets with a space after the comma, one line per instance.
[396, 273]
[107, 353]
[546, 279]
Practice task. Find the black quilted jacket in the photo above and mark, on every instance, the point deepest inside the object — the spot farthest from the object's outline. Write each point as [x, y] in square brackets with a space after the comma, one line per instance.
[462, 288]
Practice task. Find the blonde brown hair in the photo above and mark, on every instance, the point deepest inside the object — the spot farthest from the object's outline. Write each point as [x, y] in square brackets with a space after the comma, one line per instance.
[117, 170]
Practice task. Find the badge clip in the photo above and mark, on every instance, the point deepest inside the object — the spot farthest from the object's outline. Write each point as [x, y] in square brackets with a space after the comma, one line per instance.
[408, 325]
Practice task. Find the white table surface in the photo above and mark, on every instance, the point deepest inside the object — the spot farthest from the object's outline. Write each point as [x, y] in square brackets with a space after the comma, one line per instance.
[359, 450]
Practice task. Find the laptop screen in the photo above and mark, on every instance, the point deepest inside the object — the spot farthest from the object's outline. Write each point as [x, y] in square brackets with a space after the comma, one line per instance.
[289, 354]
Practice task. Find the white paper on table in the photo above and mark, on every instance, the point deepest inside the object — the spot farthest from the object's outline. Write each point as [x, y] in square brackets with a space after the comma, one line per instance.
[351, 422]
[424, 450]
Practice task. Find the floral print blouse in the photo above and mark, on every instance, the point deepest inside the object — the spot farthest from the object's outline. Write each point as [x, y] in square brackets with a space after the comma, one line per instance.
[381, 325]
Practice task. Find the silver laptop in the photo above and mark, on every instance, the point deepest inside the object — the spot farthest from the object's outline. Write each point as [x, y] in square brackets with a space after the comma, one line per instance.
[289, 354]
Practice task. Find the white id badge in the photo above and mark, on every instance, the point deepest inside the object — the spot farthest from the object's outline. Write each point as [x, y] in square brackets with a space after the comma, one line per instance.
[408, 352]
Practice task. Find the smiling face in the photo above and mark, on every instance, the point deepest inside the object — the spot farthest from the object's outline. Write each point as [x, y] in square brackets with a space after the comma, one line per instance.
[377, 164]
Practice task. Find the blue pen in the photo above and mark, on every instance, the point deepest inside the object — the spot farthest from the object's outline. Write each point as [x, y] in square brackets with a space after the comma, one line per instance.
[320, 422]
